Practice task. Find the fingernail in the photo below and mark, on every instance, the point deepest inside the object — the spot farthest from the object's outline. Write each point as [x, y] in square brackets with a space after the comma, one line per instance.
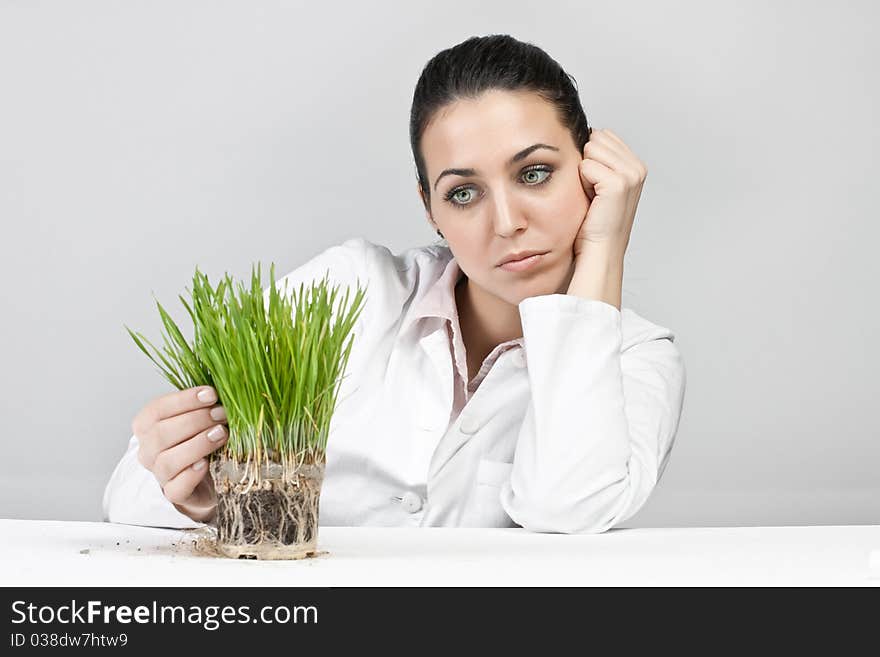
[216, 433]
[218, 413]
[207, 395]
[199, 465]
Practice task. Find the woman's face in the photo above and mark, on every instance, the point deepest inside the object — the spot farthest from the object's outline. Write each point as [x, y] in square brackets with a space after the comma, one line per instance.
[534, 203]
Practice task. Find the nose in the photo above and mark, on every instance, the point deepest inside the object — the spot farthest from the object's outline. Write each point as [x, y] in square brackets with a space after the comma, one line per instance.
[508, 218]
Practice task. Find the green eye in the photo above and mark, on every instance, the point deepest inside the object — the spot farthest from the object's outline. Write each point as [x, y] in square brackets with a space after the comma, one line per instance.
[536, 171]
[461, 191]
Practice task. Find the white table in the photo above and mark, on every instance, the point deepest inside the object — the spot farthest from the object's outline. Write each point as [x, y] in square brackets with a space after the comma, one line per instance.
[56, 553]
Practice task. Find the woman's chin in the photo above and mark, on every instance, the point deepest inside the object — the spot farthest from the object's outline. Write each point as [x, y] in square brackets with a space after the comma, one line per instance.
[549, 281]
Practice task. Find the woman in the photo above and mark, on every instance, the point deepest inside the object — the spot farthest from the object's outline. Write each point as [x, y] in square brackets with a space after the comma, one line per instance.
[494, 380]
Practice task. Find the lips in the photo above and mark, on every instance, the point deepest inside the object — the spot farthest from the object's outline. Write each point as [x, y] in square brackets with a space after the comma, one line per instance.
[521, 256]
[523, 264]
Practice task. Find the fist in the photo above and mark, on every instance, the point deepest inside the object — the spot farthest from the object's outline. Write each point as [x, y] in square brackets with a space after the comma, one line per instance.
[612, 177]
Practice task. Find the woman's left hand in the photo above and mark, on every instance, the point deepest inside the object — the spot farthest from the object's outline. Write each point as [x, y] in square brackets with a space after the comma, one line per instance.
[612, 177]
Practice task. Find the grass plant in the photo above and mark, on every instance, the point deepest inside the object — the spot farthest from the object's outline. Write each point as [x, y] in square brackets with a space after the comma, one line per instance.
[276, 360]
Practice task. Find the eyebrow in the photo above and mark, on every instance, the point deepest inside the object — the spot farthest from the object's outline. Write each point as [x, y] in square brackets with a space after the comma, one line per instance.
[516, 158]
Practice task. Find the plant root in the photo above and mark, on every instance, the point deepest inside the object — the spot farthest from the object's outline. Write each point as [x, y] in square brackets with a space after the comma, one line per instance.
[267, 512]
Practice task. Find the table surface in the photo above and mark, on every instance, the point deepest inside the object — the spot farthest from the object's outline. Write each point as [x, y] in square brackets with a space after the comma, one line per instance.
[62, 553]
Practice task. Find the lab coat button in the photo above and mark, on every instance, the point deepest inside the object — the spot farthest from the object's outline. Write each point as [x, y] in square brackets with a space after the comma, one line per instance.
[469, 424]
[411, 502]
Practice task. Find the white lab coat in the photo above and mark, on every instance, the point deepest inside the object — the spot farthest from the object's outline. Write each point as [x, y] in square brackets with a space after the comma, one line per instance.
[568, 433]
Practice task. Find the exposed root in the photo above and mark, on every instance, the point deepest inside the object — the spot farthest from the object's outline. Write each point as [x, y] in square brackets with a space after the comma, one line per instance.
[269, 511]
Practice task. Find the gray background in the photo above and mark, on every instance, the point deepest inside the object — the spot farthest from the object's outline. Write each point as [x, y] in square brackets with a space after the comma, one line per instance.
[140, 139]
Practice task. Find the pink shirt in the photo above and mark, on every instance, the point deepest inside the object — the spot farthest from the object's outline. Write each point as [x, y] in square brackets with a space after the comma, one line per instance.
[439, 301]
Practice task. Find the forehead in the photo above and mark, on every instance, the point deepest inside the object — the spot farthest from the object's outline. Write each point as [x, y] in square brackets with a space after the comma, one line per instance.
[490, 127]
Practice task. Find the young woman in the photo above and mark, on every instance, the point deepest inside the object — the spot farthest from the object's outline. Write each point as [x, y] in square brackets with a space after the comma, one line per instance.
[495, 379]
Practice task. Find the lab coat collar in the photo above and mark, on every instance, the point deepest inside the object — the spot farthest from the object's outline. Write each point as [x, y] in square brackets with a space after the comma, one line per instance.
[439, 300]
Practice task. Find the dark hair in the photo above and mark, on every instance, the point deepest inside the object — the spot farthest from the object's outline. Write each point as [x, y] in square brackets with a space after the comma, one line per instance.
[479, 64]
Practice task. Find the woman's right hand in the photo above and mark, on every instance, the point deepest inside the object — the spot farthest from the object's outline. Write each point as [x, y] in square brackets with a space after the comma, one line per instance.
[176, 432]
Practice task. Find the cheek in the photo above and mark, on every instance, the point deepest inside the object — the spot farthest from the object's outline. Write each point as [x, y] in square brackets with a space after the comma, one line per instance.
[571, 208]
[468, 249]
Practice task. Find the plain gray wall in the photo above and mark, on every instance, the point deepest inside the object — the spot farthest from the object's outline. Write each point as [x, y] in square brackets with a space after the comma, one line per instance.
[140, 139]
